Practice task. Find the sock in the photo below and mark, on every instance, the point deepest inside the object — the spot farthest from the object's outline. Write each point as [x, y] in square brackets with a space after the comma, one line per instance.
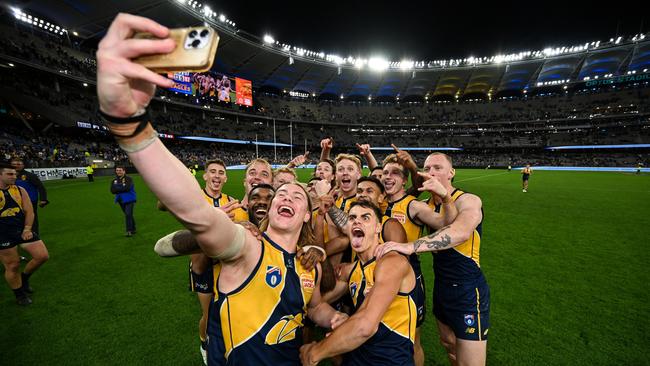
[19, 292]
[25, 277]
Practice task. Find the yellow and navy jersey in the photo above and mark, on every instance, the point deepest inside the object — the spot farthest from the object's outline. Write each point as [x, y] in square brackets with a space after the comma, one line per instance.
[260, 322]
[223, 199]
[344, 203]
[392, 344]
[11, 208]
[383, 226]
[399, 210]
[383, 206]
[460, 263]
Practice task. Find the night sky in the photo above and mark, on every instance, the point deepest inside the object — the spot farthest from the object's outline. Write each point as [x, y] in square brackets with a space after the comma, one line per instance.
[432, 30]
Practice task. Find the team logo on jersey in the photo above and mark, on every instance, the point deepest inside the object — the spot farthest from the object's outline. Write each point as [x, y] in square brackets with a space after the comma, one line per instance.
[284, 330]
[23, 177]
[353, 289]
[400, 217]
[469, 319]
[273, 276]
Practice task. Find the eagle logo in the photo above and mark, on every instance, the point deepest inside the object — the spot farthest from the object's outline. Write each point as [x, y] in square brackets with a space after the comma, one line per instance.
[284, 330]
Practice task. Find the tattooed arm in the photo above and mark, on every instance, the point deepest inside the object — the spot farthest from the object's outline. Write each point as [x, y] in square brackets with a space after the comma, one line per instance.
[469, 217]
[339, 218]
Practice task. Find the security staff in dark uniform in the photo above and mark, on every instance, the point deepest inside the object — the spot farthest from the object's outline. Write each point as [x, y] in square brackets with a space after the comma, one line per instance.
[123, 189]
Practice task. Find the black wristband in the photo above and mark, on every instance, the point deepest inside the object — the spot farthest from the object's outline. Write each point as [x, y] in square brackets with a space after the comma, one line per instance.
[142, 119]
[116, 120]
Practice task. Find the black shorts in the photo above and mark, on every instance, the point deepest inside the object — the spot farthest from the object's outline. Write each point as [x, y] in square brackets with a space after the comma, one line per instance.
[420, 299]
[201, 283]
[525, 177]
[9, 238]
[465, 308]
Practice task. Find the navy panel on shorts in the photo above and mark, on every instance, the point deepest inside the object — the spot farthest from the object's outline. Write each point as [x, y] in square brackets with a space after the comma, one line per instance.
[201, 283]
[420, 299]
[11, 238]
[465, 308]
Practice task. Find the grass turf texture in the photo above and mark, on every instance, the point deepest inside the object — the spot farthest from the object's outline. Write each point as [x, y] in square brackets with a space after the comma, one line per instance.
[564, 262]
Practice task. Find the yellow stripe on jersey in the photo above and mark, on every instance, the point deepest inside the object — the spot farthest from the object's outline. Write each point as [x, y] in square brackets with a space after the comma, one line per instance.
[469, 248]
[399, 210]
[14, 193]
[381, 233]
[344, 203]
[478, 311]
[223, 199]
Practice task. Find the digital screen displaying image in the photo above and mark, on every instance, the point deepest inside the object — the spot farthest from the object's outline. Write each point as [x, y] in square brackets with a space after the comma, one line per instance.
[215, 86]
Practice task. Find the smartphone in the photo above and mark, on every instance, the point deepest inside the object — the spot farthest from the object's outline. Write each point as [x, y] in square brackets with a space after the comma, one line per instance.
[195, 51]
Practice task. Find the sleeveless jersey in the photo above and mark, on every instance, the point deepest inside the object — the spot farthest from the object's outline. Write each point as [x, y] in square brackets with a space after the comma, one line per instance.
[260, 322]
[399, 210]
[11, 209]
[223, 199]
[392, 344]
[460, 263]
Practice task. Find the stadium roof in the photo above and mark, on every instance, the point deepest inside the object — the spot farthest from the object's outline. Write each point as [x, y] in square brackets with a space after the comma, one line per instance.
[274, 65]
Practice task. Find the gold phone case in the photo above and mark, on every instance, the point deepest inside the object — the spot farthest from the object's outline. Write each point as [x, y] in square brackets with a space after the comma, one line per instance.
[195, 51]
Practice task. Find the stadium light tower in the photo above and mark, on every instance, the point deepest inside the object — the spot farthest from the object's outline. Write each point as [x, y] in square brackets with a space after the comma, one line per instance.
[268, 39]
[378, 64]
[406, 65]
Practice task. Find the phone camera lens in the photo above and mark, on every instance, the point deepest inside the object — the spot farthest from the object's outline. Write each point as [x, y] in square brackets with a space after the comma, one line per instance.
[204, 33]
[196, 43]
[193, 34]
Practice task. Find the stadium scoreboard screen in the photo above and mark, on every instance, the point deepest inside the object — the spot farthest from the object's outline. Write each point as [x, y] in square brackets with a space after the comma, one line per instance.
[213, 85]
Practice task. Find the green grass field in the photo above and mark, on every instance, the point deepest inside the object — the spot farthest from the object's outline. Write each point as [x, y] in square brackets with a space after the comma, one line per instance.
[565, 263]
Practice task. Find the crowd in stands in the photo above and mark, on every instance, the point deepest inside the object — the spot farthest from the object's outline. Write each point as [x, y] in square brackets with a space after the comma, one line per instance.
[497, 133]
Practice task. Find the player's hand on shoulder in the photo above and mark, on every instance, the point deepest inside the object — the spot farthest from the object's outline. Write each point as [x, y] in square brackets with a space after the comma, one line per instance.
[391, 246]
[310, 257]
[251, 229]
[230, 208]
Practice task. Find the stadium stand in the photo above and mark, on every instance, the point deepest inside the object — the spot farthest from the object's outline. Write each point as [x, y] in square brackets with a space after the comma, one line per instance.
[50, 86]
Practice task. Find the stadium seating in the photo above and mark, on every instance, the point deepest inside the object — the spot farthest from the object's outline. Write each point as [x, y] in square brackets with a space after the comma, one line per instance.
[53, 83]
